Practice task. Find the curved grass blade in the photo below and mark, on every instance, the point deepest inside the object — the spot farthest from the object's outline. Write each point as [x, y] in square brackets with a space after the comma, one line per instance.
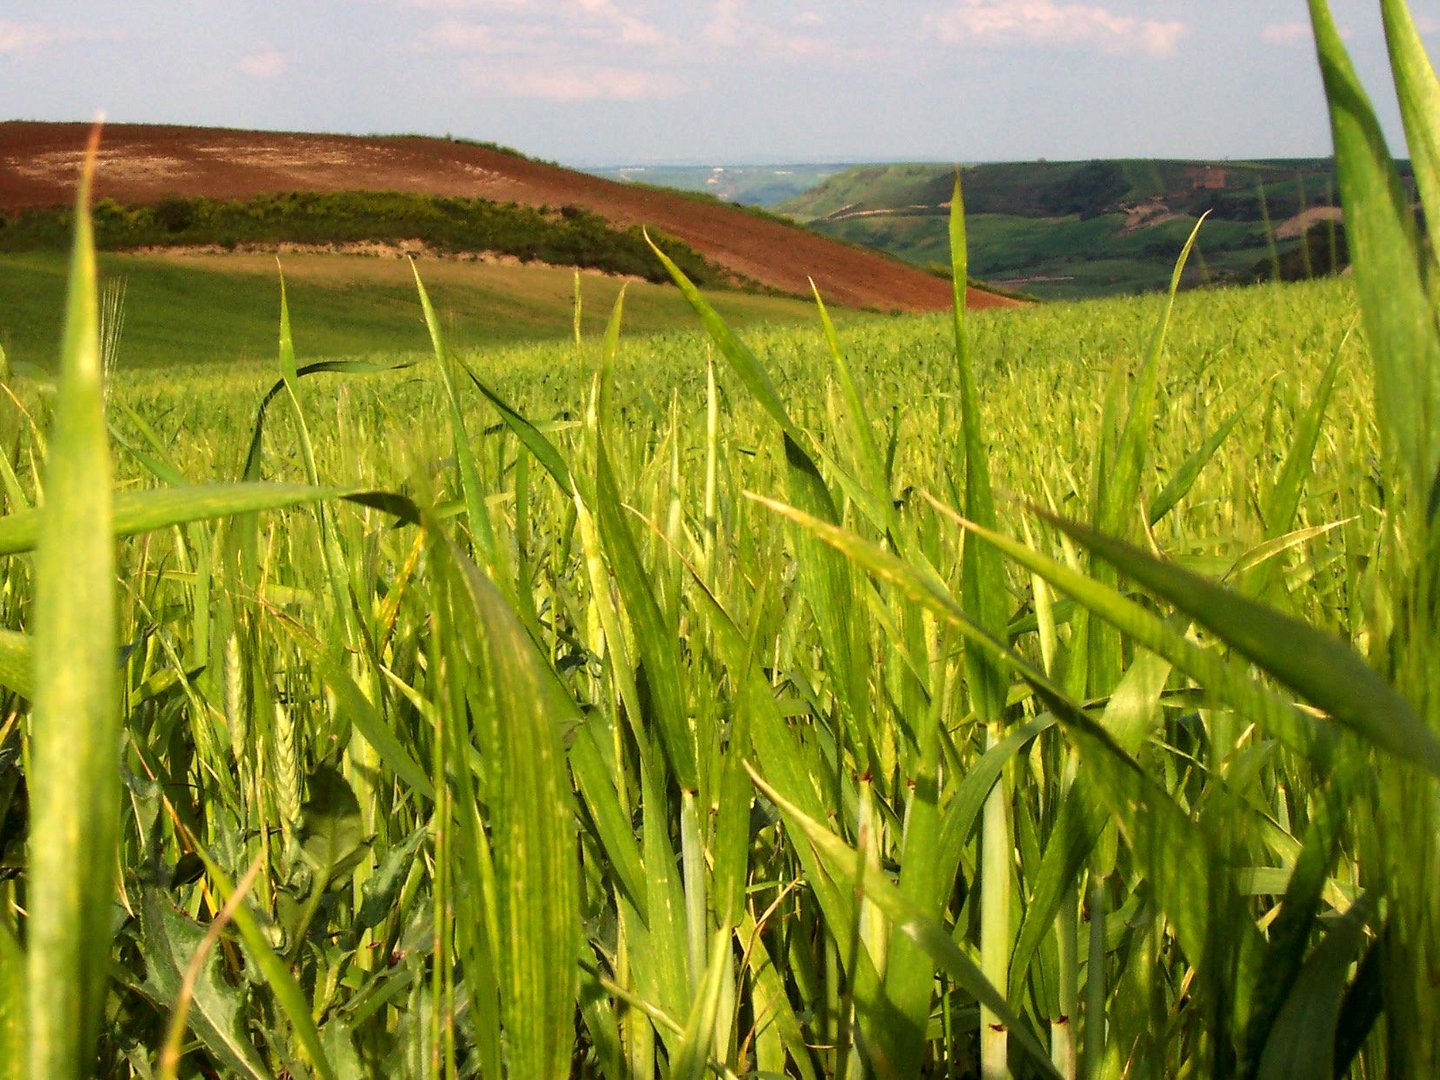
[138, 512]
[251, 468]
[1380, 227]
[1321, 668]
[1302, 1041]
[1184, 479]
[75, 733]
[1418, 91]
[528, 434]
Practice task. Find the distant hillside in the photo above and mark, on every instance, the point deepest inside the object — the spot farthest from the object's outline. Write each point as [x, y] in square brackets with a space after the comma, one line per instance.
[143, 165]
[1067, 229]
[745, 185]
[387, 221]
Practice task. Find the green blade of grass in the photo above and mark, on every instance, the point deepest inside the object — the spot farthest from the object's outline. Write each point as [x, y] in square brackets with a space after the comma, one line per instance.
[534, 830]
[1184, 479]
[983, 594]
[1303, 1039]
[475, 512]
[273, 970]
[656, 639]
[828, 586]
[138, 512]
[251, 468]
[983, 572]
[1283, 501]
[840, 859]
[1418, 91]
[16, 662]
[1380, 227]
[12, 1006]
[74, 780]
[1321, 668]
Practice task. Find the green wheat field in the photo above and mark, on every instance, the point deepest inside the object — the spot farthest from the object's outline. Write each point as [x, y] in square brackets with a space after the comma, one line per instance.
[1046, 693]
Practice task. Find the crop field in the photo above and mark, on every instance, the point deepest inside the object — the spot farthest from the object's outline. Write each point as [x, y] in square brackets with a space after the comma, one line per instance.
[1045, 692]
[347, 305]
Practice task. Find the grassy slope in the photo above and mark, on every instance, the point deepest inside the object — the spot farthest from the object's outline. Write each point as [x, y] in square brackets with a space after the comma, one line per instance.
[1016, 240]
[202, 309]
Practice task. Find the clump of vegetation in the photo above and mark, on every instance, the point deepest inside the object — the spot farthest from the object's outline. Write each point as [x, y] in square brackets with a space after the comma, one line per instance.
[642, 729]
[565, 236]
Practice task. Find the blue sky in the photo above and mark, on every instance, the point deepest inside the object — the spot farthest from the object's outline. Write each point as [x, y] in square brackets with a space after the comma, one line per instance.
[724, 81]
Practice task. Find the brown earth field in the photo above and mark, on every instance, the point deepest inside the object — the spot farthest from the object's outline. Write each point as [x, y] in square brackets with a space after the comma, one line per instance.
[143, 163]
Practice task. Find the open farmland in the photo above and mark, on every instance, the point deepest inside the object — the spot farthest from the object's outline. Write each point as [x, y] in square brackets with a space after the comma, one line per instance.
[1074, 229]
[347, 305]
[144, 164]
[1035, 693]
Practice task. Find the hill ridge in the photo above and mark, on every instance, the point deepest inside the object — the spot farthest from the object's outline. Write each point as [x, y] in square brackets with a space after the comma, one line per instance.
[144, 163]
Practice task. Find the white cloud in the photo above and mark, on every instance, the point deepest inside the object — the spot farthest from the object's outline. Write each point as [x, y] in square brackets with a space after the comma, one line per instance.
[567, 85]
[469, 5]
[1286, 33]
[549, 28]
[1044, 22]
[27, 37]
[631, 30]
[457, 36]
[266, 64]
[728, 25]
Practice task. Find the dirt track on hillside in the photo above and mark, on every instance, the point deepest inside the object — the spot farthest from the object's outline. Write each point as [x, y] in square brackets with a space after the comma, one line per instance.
[144, 163]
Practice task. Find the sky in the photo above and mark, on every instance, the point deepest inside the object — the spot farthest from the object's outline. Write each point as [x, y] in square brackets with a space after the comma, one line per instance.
[609, 82]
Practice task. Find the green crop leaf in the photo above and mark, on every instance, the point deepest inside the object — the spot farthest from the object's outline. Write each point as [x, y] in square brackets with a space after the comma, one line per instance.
[1380, 227]
[138, 512]
[1189, 471]
[1321, 668]
[12, 1006]
[840, 860]
[16, 662]
[288, 995]
[250, 470]
[1302, 1040]
[533, 822]
[74, 779]
[1418, 91]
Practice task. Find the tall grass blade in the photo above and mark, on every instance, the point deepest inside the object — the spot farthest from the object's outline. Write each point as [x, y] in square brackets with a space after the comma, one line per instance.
[534, 829]
[841, 861]
[1418, 91]
[16, 663]
[12, 1006]
[74, 740]
[1380, 228]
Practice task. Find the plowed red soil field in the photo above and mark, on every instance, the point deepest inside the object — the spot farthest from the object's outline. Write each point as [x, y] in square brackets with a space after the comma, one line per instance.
[142, 163]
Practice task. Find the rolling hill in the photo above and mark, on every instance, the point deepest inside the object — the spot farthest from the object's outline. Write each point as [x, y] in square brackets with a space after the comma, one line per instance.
[1070, 229]
[146, 164]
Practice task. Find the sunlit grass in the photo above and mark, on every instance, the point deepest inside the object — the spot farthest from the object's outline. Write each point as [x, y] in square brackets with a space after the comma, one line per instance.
[1047, 692]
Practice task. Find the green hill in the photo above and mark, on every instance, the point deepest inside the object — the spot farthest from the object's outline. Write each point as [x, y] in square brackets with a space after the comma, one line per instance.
[1075, 229]
[342, 305]
[566, 236]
